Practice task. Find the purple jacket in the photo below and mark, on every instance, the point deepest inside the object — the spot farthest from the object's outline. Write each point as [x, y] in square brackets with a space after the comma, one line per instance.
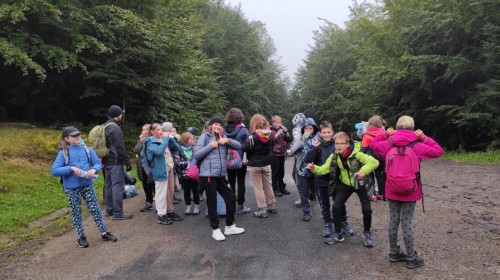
[427, 148]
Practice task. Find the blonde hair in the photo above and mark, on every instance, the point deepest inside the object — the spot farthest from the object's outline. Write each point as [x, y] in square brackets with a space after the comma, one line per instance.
[258, 121]
[405, 122]
[341, 135]
[185, 138]
[376, 121]
[276, 119]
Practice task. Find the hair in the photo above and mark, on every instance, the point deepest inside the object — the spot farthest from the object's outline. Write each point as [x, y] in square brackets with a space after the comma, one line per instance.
[405, 122]
[276, 119]
[234, 115]
[376, 121]
[341, 135]
[325, 124]
[258, 121]
[148, 126]
[207, 127]
[153, 127]
[185, 138]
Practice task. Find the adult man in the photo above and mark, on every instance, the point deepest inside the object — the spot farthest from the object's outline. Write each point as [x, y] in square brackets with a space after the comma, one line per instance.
[114, 181]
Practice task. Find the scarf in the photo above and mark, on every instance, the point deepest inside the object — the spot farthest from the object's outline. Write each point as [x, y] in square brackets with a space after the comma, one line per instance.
[188, 152]
[263, 135]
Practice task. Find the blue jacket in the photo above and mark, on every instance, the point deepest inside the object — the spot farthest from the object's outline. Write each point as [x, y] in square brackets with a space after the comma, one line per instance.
[212, 161]
[78, 158]
[156, 155]
[318, 156]
[239, 134]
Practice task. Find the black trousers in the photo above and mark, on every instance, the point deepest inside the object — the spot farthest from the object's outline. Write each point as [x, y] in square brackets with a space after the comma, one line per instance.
[278, 172]
[190, 187]
[238, 176]
[343, 193]
[212, 186]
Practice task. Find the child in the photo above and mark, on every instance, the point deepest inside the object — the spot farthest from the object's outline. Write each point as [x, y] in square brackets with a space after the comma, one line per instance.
[375, 127]
[402, 206]
[352, 164]
[148, 183]
[281, 137]
[258, 149]
[77, 177]
[298, 122]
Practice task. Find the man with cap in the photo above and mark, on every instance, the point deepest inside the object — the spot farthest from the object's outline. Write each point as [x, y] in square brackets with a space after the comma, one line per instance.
[114, 182]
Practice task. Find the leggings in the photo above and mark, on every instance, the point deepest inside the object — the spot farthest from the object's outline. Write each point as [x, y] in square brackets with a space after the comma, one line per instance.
[89, 196]
[401, 211]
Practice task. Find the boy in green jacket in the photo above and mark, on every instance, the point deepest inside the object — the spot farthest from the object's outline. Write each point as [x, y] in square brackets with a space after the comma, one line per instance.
[349, 165]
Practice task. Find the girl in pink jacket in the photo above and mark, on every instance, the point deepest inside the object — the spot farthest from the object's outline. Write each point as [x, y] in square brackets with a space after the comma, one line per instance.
[402, 206]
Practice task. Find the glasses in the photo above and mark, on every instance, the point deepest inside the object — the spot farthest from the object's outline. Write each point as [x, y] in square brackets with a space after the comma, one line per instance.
[340, 144]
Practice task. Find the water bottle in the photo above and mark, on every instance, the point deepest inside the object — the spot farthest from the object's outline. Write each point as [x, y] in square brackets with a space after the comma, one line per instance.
[357, 183]
[84, 173]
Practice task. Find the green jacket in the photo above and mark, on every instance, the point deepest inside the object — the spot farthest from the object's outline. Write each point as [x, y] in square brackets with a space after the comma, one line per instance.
[357, 161]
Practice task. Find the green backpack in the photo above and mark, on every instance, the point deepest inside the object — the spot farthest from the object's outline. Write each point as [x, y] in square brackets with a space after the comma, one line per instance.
[97, 140]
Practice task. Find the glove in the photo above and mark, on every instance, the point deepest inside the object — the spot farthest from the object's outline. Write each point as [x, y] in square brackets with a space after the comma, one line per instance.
[128, 166]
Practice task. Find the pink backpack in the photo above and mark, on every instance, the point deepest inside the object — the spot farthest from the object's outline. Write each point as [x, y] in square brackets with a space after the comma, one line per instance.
[402, 168]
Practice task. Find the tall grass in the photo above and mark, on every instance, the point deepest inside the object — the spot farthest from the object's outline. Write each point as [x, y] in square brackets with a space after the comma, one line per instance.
[474, 157]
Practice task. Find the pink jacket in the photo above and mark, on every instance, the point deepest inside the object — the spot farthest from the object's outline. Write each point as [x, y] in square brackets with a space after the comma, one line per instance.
[427, 148]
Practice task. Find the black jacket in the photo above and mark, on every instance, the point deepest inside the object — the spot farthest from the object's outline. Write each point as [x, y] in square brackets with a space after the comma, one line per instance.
[260, 154]
[114, 141]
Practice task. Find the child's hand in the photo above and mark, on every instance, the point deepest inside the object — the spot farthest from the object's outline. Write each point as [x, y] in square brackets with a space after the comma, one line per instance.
[310, 166]
[76, 170]
[289, 152]
[90, 174]
[223, 141]
[214, 144]
[315, 143]
[420, 134]
[389, 132]
[360, 175]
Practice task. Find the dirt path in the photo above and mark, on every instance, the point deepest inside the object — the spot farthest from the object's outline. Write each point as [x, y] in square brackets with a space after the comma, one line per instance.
[458, 236]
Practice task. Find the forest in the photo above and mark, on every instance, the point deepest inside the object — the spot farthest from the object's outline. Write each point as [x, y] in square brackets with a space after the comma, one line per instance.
[67, 61]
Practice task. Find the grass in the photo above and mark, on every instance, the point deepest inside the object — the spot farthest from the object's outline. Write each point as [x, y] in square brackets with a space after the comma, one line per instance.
[474, 157]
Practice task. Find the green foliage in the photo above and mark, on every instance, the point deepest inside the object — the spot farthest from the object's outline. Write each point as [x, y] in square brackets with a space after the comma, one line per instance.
[492, 156]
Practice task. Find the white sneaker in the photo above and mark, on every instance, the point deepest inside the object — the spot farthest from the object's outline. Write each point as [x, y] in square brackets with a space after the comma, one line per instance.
[196, 209]
[188, 209]
[217, 235]
[231, 230]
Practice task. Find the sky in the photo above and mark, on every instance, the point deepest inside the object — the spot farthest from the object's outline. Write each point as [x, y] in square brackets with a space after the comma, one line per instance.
[291, 24]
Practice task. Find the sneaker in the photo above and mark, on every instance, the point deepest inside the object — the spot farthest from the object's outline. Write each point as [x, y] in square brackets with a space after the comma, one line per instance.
[297, 203]
[108, 237]
[189, 209]
[415, 262]
[347, 229]
[163, 220]
[217, 235]
[262, 213]
[368, 240]
[397, 257]
[109, 214]
[277, 193]
[306, 218]
[233, 229]
[122, 216]
[327, 230]
[334, 238]
[243, 210]
[175, 198]
[82, 242]
[196, 209]
[147, 207]
[272, 208]
[174, 217]
[283, 190]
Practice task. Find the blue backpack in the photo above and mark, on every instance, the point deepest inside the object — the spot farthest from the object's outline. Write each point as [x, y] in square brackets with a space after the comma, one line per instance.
[146, 163]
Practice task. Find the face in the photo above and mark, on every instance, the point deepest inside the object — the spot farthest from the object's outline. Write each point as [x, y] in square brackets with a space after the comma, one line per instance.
[276, 123]
[158, 132]
[173, 130]
[145, 131]
[341, 144]
[217, 127]
[73, 140]
[327, 134]
[190, 142]
[309, 129]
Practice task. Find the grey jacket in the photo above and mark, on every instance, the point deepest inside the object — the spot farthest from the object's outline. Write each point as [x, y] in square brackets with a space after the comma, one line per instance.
[212, 161]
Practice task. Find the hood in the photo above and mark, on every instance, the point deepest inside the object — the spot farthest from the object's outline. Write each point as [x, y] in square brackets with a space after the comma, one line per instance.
[403, 137]
[310, 121]
[298, 120]
[232, 130]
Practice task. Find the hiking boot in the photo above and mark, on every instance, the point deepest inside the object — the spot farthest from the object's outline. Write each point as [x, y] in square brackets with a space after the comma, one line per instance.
[243, 210]
[415, 262]
[233, 229]
[196, 209]
[272, 208]
[283, 190]
[217, 235]
[122, 216]
[147, 207]
[298, 203]
[163, 220]
[109, 214]
[277, 192]
[174, 217]
[306, 218]
[397, 257]
[327, 230]
[334, 238]
[108, 237]
[189, 209]
[347, 229]
[82, 242]
[262, 213]
[368, 240]
[312, 197]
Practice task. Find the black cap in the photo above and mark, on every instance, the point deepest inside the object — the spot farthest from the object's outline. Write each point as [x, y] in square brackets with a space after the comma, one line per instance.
[192, 130]
[216, 119]
[70, 131]
[114, 111]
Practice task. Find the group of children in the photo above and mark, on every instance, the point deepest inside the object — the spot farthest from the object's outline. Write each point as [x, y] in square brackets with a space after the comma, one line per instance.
[326, 165]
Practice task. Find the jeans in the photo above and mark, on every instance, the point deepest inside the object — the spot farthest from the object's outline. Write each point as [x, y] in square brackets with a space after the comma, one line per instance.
[306, 184]
[212, 186]
[114, 187]
[343, 193]
[324, 201]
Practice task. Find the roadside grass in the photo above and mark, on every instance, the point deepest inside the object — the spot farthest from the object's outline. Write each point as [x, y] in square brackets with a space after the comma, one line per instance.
[474, 157]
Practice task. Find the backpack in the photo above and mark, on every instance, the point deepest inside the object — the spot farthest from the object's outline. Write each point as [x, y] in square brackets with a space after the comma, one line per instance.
[66, 158]
[233, 160]
[402, 167]
[97, 139]
[130, 191]
[372, 153]
[146, 163]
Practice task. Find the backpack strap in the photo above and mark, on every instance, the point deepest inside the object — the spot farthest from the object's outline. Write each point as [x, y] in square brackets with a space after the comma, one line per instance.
[66, 155]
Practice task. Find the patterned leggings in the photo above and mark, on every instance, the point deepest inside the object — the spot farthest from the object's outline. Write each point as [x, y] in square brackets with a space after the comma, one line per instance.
[401, 211]
[89, 196]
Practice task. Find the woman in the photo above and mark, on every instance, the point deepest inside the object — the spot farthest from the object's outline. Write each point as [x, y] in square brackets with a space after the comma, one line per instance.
[77, 164]
[211, 152]
[147, 182]
[259, 152]
[402, 206]
[235, 129]
[183, 158]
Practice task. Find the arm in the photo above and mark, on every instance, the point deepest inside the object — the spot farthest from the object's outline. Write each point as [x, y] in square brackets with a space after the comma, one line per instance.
[94, 160]
[380, 145]
[201, 150]
[323, 169]
[180, 161]
[158, 150]
[116, 138]
[297, 141]
[369, 163]
[58, 168]
[138, 147]
[312, 154]
[428, 148]
[233, 144]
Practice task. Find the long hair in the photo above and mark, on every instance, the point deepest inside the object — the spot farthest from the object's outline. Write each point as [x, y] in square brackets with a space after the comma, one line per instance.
[258, 121]
[234, 116]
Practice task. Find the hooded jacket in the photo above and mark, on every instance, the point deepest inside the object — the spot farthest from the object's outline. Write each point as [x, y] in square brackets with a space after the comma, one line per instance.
[319, 155]
[259, 154]
[426, 148]
[237, 132]
[212, 161]
[306, 146]
[298, 122]
[78, 158]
